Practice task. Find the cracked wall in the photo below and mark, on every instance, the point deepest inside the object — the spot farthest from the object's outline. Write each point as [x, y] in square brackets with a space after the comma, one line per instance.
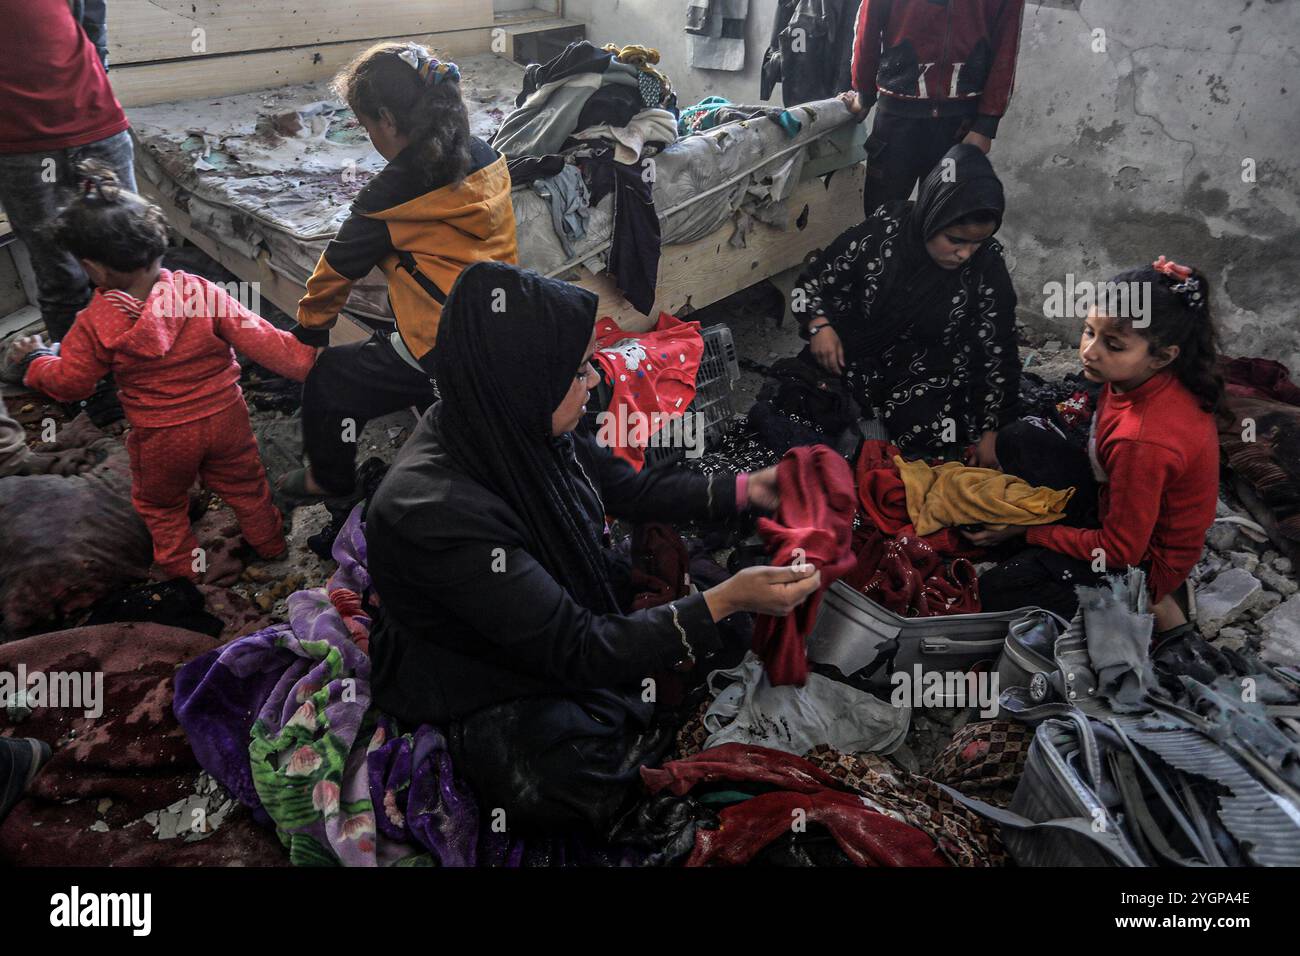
[1113, 156]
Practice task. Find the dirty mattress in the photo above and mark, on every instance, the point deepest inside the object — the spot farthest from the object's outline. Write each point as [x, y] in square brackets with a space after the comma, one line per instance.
[272, 173]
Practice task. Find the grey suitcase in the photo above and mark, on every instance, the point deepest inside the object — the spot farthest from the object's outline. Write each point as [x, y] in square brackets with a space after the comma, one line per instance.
[853, 632]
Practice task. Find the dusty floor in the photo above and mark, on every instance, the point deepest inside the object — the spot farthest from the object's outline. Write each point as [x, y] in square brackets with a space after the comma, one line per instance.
[1246, 587]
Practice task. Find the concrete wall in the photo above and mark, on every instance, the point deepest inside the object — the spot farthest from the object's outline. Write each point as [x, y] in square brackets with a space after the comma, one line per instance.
[1115, 153]
[662, 25]
[1113, 157]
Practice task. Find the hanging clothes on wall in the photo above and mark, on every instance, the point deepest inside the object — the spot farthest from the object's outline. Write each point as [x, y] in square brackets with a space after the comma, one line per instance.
[716, 31]
[811, 50]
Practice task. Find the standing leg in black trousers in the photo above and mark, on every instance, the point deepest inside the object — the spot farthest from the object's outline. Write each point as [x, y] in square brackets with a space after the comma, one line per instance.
[902, 150]
[348, 386]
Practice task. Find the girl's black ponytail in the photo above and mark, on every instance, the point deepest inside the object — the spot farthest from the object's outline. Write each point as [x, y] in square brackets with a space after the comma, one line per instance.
[422, 96]
[440, 128]
[1180, 315]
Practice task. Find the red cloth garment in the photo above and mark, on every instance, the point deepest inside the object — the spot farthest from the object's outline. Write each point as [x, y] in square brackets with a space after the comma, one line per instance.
[880, 488]
[815, 522]
[745, 762]
[41, 40]
[908, 576]
[1076, 411]
[867, 837]
[107, 772]
[173, 364]
[884, 499]
[653, 379]
[1160, 454]
[660, 565]
[1259, 378]
[221, 452]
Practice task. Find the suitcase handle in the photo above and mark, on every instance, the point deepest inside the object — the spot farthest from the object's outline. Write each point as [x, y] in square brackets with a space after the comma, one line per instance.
[942, 645]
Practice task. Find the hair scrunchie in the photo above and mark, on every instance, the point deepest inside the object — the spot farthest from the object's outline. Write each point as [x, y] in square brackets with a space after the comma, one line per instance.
[430, 69]
[1182, 281]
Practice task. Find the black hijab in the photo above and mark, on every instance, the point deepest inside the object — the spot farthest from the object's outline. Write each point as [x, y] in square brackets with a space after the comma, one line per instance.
[974, 187]
[509, 345]
[917, 285]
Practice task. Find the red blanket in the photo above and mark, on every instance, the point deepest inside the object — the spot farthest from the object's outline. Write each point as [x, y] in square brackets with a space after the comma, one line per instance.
[95, 799]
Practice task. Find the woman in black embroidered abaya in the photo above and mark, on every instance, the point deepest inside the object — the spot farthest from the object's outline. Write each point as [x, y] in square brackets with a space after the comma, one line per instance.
[915, 308]
[499, 619]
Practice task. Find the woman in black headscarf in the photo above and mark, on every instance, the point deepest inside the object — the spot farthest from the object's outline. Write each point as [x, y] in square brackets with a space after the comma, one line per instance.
[915, 308]
[488, 549]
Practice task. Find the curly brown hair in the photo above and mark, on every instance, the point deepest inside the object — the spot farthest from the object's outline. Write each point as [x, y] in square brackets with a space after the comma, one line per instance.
[107, 223]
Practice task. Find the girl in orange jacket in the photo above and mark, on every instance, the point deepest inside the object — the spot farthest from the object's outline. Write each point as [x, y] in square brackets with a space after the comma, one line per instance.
[442, 203]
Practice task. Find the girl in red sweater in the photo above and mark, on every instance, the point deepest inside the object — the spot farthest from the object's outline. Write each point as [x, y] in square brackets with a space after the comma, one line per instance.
[167, 338]
[1153, 452]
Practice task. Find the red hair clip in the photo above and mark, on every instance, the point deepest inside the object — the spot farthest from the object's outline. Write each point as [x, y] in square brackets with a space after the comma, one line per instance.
[1172, 269]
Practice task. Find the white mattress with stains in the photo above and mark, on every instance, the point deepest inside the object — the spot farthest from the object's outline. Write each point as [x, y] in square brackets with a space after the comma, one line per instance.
[275, 171]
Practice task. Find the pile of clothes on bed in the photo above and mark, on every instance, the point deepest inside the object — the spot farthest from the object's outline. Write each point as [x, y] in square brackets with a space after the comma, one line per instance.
[596, 122]
[583, 123]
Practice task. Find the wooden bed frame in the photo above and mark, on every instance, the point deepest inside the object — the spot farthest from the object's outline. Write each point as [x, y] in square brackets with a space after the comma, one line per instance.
[153, 59]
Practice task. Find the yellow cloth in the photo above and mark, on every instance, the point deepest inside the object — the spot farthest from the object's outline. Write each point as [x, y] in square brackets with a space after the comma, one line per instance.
[955, 494]
[642, 57]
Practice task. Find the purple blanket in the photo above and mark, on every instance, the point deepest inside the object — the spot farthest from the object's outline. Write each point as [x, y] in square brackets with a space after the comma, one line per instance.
[283, 719]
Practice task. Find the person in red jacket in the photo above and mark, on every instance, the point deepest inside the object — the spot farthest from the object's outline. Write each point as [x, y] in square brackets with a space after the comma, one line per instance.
[939, 72]
[56, 110]
[169, 339]
[1154, 452]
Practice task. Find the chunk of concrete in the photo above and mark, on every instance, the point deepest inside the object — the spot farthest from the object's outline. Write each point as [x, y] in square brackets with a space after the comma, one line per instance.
[1274, 581]
[1226, 598]
[1221, 537]
[1281, 631]
[1248, 561]
[1232, 638]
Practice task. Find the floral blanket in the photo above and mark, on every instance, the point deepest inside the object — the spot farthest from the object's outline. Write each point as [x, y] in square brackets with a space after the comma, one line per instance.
[283, 719]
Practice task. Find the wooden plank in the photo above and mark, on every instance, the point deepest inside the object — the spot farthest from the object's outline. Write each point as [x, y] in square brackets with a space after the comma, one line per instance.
[141, 31]
[148, 83]
[506, 38]
[696, 274]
